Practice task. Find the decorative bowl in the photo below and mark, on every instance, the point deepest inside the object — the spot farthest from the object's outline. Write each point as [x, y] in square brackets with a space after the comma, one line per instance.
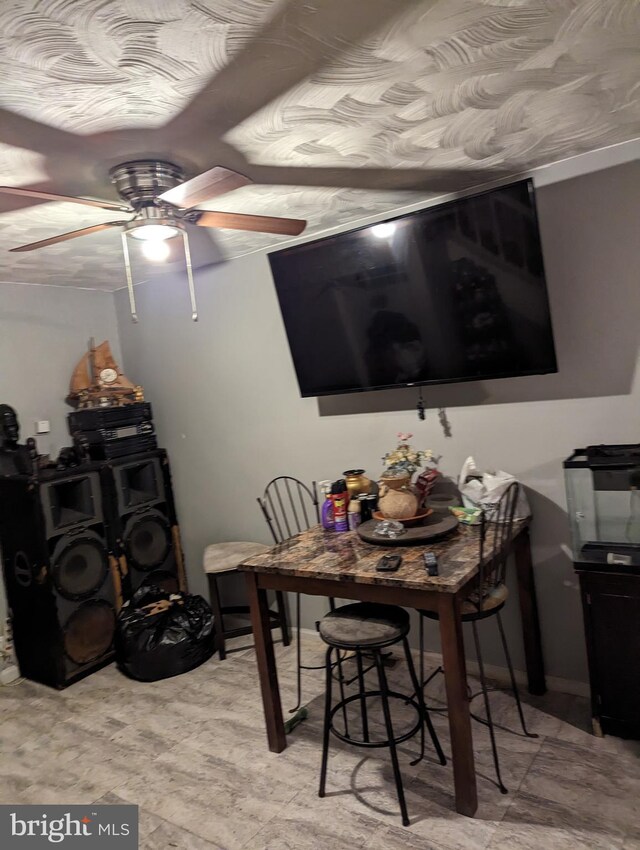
[408, 521]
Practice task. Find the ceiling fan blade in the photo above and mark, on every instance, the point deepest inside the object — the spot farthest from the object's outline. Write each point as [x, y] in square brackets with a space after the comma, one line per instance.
[10, 203]
[22, 132]
[259, 223]
[51, 196]
[72, 234]
[204, 187]
[295, 42]
[382, 179]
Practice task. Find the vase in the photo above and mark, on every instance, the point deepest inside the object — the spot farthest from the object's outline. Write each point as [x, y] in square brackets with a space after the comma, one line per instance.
[397, 501]
[357, 482]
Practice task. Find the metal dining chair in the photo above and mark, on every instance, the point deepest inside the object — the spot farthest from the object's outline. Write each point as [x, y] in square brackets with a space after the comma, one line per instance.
[290, 507]
[486, 601]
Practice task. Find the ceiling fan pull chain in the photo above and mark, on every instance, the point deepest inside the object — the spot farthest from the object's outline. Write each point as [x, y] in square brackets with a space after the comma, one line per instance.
[127, 266]
[192, 292]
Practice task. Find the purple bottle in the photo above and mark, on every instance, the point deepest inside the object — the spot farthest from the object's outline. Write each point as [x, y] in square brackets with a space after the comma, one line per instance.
[327, 516]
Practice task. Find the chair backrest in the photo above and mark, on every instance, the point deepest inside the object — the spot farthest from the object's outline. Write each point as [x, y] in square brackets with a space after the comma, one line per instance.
[496, 534]
[289, 507]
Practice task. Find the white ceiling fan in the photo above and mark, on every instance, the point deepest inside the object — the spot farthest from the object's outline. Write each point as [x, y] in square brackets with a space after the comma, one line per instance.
[162, 203]
[148, 165]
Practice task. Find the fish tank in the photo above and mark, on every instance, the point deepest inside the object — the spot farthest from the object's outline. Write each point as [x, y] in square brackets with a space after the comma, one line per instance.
[603, 500]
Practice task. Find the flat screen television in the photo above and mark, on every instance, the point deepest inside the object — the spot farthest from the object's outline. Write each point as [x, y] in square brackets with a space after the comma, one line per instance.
[455, 292]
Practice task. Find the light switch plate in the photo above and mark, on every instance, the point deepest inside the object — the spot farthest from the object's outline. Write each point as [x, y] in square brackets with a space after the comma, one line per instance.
[43, 426]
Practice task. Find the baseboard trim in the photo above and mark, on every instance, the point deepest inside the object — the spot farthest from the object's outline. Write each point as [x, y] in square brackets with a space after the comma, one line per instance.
[501, 674]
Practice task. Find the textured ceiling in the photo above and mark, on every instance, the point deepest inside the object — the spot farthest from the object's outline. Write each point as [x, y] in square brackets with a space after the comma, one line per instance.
[339, 108]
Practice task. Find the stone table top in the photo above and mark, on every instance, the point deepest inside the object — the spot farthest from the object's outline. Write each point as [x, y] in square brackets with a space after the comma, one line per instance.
[320, 554]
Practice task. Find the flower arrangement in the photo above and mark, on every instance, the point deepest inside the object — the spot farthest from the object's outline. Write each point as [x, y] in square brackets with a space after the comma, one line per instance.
[405, 459]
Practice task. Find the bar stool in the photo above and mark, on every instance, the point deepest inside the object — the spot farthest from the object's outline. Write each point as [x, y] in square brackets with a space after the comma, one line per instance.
[371, 627]
[487, 601]
[223, 559]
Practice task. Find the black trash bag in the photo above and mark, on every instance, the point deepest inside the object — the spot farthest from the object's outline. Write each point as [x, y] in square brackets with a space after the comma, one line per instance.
[161, 634]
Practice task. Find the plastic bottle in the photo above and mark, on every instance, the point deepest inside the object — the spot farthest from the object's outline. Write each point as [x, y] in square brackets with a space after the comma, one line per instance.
[327, 515]
[353, 514]
[340, 497]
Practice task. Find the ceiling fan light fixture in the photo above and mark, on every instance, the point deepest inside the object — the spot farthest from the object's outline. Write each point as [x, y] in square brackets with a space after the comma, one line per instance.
[163, 204]
[154, 232]
[155, 250]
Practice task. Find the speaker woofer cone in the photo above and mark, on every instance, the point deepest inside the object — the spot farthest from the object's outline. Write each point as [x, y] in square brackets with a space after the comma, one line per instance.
[89, 631]
[80, 566]
[163, 579]
[147, 540]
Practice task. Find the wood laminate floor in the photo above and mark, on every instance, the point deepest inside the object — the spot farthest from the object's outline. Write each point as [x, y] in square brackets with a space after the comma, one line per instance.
[191, 753]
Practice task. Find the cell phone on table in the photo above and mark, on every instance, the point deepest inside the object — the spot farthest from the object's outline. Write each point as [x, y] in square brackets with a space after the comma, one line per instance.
[389, 563]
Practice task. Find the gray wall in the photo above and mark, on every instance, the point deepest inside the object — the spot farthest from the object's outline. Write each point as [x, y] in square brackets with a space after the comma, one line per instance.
[43, 332]
[228, 408]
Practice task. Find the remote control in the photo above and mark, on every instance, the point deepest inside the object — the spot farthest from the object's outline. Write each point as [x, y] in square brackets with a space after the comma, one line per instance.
[430, 563]
[389, 563]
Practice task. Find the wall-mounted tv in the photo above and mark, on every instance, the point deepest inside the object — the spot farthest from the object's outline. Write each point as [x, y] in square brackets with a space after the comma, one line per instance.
[455, 292]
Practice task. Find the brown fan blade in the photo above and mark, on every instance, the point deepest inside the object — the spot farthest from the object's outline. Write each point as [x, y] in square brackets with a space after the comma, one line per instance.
[259, 223]
[204, 187]
[293, 43]
[50, 196]
[22, 132]
[72, 234]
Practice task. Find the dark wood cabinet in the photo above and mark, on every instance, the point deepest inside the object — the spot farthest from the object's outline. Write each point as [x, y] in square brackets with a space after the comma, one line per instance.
[611, 605]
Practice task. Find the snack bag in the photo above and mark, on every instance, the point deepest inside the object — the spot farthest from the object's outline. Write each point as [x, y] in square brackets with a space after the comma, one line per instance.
[484, 490]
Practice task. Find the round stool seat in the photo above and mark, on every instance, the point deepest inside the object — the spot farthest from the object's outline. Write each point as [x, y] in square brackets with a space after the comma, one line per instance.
[363, 624]
[492, 602]
[225, 557]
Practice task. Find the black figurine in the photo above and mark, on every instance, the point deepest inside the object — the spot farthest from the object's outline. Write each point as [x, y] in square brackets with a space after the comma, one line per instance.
[9, 428]
[14, 458]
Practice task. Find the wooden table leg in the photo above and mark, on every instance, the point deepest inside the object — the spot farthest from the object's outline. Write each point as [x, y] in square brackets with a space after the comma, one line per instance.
[261, 623]
[455, 675]
[529, 614]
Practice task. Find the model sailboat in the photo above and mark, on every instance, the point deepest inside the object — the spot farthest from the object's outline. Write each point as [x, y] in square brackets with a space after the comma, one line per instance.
[98, 382]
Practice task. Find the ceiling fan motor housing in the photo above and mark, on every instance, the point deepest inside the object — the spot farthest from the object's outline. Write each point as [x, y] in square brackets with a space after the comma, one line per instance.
[140, 182]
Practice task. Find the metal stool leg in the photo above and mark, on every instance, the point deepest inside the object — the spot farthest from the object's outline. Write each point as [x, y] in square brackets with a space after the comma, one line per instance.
[363, 699]
[487, 708]
[327, 721]
[424, 682]
[384, 695]
[342, 694]
[298, 658]
[217, 613]
[425, 714]
[514, 685]
[417, 691]
[282, 614]
[421, 666]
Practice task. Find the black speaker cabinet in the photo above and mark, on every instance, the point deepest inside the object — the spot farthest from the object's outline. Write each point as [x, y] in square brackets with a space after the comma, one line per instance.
[63, 583]
[143, 518]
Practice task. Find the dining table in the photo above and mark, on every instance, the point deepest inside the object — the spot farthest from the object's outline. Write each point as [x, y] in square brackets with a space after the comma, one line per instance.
[343, 566]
